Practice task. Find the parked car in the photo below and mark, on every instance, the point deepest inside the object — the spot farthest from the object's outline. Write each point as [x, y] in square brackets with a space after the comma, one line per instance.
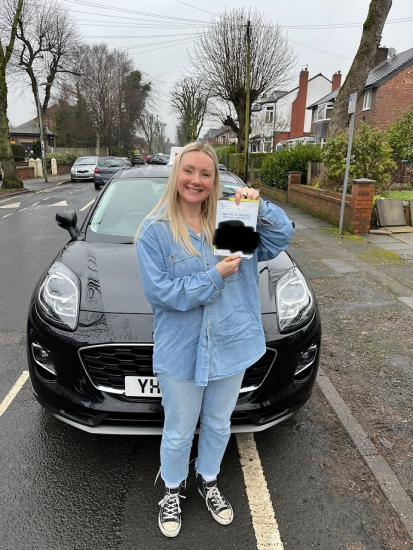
[83, 168]
[159, 159]
[90, 326]
[137, 159]
[106, 167]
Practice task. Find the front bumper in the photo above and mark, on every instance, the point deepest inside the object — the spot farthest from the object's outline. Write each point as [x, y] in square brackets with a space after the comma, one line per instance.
[71, 397]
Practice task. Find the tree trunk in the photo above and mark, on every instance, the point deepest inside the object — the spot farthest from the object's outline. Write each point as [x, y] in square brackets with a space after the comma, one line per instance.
[363, 62]
[10, 178]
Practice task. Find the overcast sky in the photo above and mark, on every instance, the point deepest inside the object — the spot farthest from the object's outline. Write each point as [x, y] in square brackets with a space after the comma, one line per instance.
[325, 34]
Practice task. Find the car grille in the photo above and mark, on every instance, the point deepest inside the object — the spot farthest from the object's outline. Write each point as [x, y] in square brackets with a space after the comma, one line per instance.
[107, 366]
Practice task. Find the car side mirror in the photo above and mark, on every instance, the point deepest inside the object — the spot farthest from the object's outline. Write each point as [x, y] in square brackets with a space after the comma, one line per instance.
[68, 220]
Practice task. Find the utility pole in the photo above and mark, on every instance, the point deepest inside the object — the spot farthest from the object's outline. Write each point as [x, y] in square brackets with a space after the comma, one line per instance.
[247, 107]
[39, 111]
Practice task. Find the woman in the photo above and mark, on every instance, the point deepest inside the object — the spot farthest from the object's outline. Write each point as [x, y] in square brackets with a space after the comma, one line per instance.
[207, 322]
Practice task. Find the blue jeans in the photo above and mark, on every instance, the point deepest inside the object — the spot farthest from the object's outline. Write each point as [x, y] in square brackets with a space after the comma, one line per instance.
[184, 403]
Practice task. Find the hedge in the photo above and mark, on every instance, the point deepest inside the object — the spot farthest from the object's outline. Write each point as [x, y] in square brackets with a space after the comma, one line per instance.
[275, 167]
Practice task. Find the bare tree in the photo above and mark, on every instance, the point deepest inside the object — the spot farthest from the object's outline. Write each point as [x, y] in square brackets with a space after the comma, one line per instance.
[362, 63]
[190, 103]
[148, 125]
[45, 51]
[10, 15]
[219, 59]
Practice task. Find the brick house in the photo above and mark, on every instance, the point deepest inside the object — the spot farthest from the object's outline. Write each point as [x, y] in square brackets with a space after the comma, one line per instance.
[282, 117]
[389, 86]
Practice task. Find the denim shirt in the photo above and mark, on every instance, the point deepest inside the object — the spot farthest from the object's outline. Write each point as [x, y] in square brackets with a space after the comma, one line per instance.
[206, 327]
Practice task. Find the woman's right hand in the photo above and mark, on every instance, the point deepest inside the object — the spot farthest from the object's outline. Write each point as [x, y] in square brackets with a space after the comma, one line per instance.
[229, 266]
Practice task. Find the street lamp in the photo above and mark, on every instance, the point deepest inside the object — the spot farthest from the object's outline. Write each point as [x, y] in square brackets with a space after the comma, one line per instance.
[39, 114]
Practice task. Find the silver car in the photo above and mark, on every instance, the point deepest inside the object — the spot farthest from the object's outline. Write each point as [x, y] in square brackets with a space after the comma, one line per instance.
[83, 168]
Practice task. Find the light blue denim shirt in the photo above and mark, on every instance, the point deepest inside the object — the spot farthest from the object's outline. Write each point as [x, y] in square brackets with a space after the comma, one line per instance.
[206, 327]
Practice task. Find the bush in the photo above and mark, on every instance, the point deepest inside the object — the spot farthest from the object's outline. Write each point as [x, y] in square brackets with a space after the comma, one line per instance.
[224, 152]
[120, 152]
[237, 162]
[275, 166]
[61, 158]
[372, 157]
[37, 150]
[19, 152]
[400, 135]
[258, 159]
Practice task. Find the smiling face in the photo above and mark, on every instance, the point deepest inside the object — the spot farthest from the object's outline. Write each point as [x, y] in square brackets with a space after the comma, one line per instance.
[196, 178]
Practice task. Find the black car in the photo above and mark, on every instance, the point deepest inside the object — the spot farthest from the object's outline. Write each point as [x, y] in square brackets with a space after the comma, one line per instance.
[106, 167]
[159, 159]
[137, 159]
[90, 325]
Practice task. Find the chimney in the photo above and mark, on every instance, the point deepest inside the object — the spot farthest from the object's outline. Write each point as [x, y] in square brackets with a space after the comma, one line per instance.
[336, 81]
[298, 106]
[381, 55]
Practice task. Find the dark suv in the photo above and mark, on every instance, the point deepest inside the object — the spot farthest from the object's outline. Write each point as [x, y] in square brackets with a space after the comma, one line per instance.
[159, 158]
[106, 167]
[137, 159]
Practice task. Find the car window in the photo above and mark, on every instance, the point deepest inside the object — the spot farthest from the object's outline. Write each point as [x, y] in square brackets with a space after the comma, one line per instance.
[111, 162]
[123, 207]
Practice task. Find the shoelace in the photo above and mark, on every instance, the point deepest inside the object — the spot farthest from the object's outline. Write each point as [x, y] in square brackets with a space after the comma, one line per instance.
[217, 499]
[171, 508]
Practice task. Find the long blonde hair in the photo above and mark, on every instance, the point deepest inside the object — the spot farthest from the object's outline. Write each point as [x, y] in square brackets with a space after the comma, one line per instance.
[168, 206]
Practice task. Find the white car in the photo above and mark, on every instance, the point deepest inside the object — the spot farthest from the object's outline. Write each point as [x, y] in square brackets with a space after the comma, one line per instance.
[83, 168]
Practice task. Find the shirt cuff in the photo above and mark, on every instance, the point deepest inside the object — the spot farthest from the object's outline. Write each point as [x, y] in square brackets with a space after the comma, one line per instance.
[216, 278]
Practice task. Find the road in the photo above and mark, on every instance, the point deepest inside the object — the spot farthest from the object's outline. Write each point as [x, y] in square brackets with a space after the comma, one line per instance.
[65, 489]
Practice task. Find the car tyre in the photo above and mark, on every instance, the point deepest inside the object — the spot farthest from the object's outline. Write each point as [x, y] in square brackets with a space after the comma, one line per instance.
[73, 180]
[97, 186]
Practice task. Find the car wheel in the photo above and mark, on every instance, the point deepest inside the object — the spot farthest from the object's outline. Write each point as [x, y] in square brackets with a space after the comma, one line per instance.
[97, 186]
[73, 180]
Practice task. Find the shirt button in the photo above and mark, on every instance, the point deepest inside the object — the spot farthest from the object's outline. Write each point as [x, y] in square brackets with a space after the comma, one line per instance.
[208, 263]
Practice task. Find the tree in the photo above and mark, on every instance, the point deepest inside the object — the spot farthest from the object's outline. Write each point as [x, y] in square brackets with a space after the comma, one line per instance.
[190, 103]
[45, 50]
[362, 64]
[11, 17]
[111, 94]
[148, 124]
[219, 60]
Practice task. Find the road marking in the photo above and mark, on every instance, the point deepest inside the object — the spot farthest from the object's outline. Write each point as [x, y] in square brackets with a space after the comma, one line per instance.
[87, 205]
[46, 199]
[259, 500]
[14, 391]
[61, 203]
[14, 205]
[36, 203]
[7, 215]
[21, 210]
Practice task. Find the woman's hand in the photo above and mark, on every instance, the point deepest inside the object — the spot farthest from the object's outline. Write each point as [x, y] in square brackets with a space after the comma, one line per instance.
[246, 193]
[229, 266]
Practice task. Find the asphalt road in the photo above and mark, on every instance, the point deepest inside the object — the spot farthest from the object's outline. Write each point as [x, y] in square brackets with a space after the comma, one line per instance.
[62, 488]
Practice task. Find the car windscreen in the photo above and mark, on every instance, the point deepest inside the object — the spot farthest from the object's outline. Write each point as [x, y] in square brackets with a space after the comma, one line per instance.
[229, 184]
[85, 160]
[123, 207]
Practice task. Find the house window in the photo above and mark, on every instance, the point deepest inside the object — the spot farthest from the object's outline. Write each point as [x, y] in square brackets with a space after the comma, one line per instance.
[367, 100]
[269, 115]
[323, 112]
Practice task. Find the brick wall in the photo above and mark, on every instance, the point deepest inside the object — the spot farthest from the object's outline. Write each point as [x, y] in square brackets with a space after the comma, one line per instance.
[327, 204]
[25, 172]
[395, 92]
[299, 105]
[63, 168]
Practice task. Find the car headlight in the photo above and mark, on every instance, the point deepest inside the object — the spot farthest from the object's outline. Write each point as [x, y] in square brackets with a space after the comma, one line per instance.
[295, 302]
[59, 296]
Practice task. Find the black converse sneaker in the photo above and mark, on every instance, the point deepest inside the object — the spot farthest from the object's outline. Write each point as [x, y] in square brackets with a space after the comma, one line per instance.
[169, 518]
[216, 503]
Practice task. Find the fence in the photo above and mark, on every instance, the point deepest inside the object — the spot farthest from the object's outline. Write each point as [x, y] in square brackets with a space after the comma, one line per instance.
[82, 151]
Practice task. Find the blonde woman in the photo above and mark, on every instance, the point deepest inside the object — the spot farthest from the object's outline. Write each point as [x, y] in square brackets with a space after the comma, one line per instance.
[207, 323]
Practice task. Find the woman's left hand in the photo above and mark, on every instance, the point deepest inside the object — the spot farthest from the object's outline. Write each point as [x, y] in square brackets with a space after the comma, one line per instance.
[246, 193]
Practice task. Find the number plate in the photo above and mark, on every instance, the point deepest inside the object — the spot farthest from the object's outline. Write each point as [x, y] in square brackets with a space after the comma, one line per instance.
[142, 386]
